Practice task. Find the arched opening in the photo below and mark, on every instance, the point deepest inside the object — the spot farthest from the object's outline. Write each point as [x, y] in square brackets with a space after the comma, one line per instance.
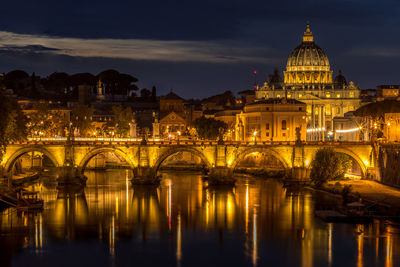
[260, 162]
[105, 166]
[182, 159]
[30, 160]
[355, 167]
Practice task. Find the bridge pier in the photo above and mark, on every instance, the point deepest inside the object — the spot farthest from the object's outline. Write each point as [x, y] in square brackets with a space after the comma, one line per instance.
[70, 176]
[299, 174]
[145, 176]
[221, 176]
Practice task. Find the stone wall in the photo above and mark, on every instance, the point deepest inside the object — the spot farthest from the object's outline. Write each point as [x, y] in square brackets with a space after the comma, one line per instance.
[389, 164]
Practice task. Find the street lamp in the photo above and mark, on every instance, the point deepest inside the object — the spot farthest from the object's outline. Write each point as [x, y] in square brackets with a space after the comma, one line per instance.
[179, 134]
[255, 136]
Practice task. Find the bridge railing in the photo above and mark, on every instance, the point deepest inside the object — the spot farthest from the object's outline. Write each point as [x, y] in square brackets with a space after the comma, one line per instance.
[137, 141]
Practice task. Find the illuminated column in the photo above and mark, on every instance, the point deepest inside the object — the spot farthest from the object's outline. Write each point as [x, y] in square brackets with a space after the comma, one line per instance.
[320, 122]
[312, 121]
[323, 121]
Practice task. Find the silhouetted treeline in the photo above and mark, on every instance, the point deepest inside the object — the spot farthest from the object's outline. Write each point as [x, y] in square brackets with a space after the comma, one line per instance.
[64, 86]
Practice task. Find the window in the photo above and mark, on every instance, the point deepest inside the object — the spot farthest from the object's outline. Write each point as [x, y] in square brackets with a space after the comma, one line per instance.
[267, 134]
[278, 96]
[338, 95]
[283, 134]
[171, 107]
[267, 126]
[300, 108]
[300, 95]
[267, 108]
[283, 124]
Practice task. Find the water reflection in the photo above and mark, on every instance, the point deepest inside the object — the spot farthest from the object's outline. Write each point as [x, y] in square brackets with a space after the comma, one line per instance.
[185, 222]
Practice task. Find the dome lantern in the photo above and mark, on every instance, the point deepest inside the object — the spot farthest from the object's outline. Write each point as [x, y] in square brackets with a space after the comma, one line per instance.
[308, 37]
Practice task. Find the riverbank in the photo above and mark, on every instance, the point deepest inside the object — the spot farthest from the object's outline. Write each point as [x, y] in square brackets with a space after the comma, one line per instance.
[384, 198]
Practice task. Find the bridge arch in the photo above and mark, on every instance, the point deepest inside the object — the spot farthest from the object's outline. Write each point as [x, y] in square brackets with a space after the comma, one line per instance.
[355, 157]
[17, 154]
[248, 151]
[175, 150]
[96, 151]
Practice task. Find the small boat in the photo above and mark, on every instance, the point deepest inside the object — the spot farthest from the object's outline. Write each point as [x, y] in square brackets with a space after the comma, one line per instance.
[28, 200]
[25, 179]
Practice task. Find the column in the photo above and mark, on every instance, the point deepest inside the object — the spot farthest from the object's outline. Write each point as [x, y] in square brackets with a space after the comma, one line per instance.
[312, 121]
[323, 121]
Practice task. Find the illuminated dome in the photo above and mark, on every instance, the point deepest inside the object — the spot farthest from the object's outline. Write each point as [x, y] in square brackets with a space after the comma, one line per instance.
[308, 63]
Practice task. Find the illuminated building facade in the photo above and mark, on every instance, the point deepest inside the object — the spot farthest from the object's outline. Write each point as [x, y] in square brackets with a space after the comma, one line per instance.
[271, 120]
[172, 115]
[392, 127]
[388, 91]
[308, 78]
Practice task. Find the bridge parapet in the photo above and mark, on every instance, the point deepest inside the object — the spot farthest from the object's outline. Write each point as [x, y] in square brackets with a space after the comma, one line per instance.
[145, 159]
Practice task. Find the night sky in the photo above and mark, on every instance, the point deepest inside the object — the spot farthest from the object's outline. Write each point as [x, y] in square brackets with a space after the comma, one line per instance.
[199, 48]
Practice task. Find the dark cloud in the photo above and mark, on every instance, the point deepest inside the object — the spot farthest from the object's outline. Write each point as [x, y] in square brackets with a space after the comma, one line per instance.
[27, 49]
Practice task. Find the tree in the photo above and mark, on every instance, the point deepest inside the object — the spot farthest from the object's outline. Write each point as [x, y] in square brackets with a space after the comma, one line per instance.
[328, 165]
[43, 122]
[77, 79]
[209, 128]
[57, 82]
[17, 80]
[81, 119]
[153, 93]
[123, 117]
[117, 83]
[145, 93]
[12, 123]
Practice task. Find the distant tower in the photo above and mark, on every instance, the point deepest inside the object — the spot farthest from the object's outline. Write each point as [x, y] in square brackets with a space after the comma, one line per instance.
[156, 129]
[84, 94]
[100, 91]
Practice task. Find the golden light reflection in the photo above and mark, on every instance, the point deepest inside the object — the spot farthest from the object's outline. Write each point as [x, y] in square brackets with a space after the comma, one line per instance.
[169, 210]
[255, 251]
[127, 182]
[268, 210]
[207, 207]
[247, 209]
[112, 236]
[330, 244]
[360, 245]
[179, 240]
[38, 233]
[389, 248]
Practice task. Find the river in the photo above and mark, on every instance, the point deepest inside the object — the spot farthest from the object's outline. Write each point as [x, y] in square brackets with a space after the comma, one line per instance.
[184, 223]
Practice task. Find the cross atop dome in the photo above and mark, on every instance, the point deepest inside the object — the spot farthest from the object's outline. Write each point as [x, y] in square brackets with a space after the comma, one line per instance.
[308, 36]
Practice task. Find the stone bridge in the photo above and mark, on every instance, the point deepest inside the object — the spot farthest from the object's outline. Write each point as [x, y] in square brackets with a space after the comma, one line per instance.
[71, 157]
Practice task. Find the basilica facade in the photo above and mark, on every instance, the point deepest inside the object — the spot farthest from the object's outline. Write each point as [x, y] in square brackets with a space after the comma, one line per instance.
[308, 78]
